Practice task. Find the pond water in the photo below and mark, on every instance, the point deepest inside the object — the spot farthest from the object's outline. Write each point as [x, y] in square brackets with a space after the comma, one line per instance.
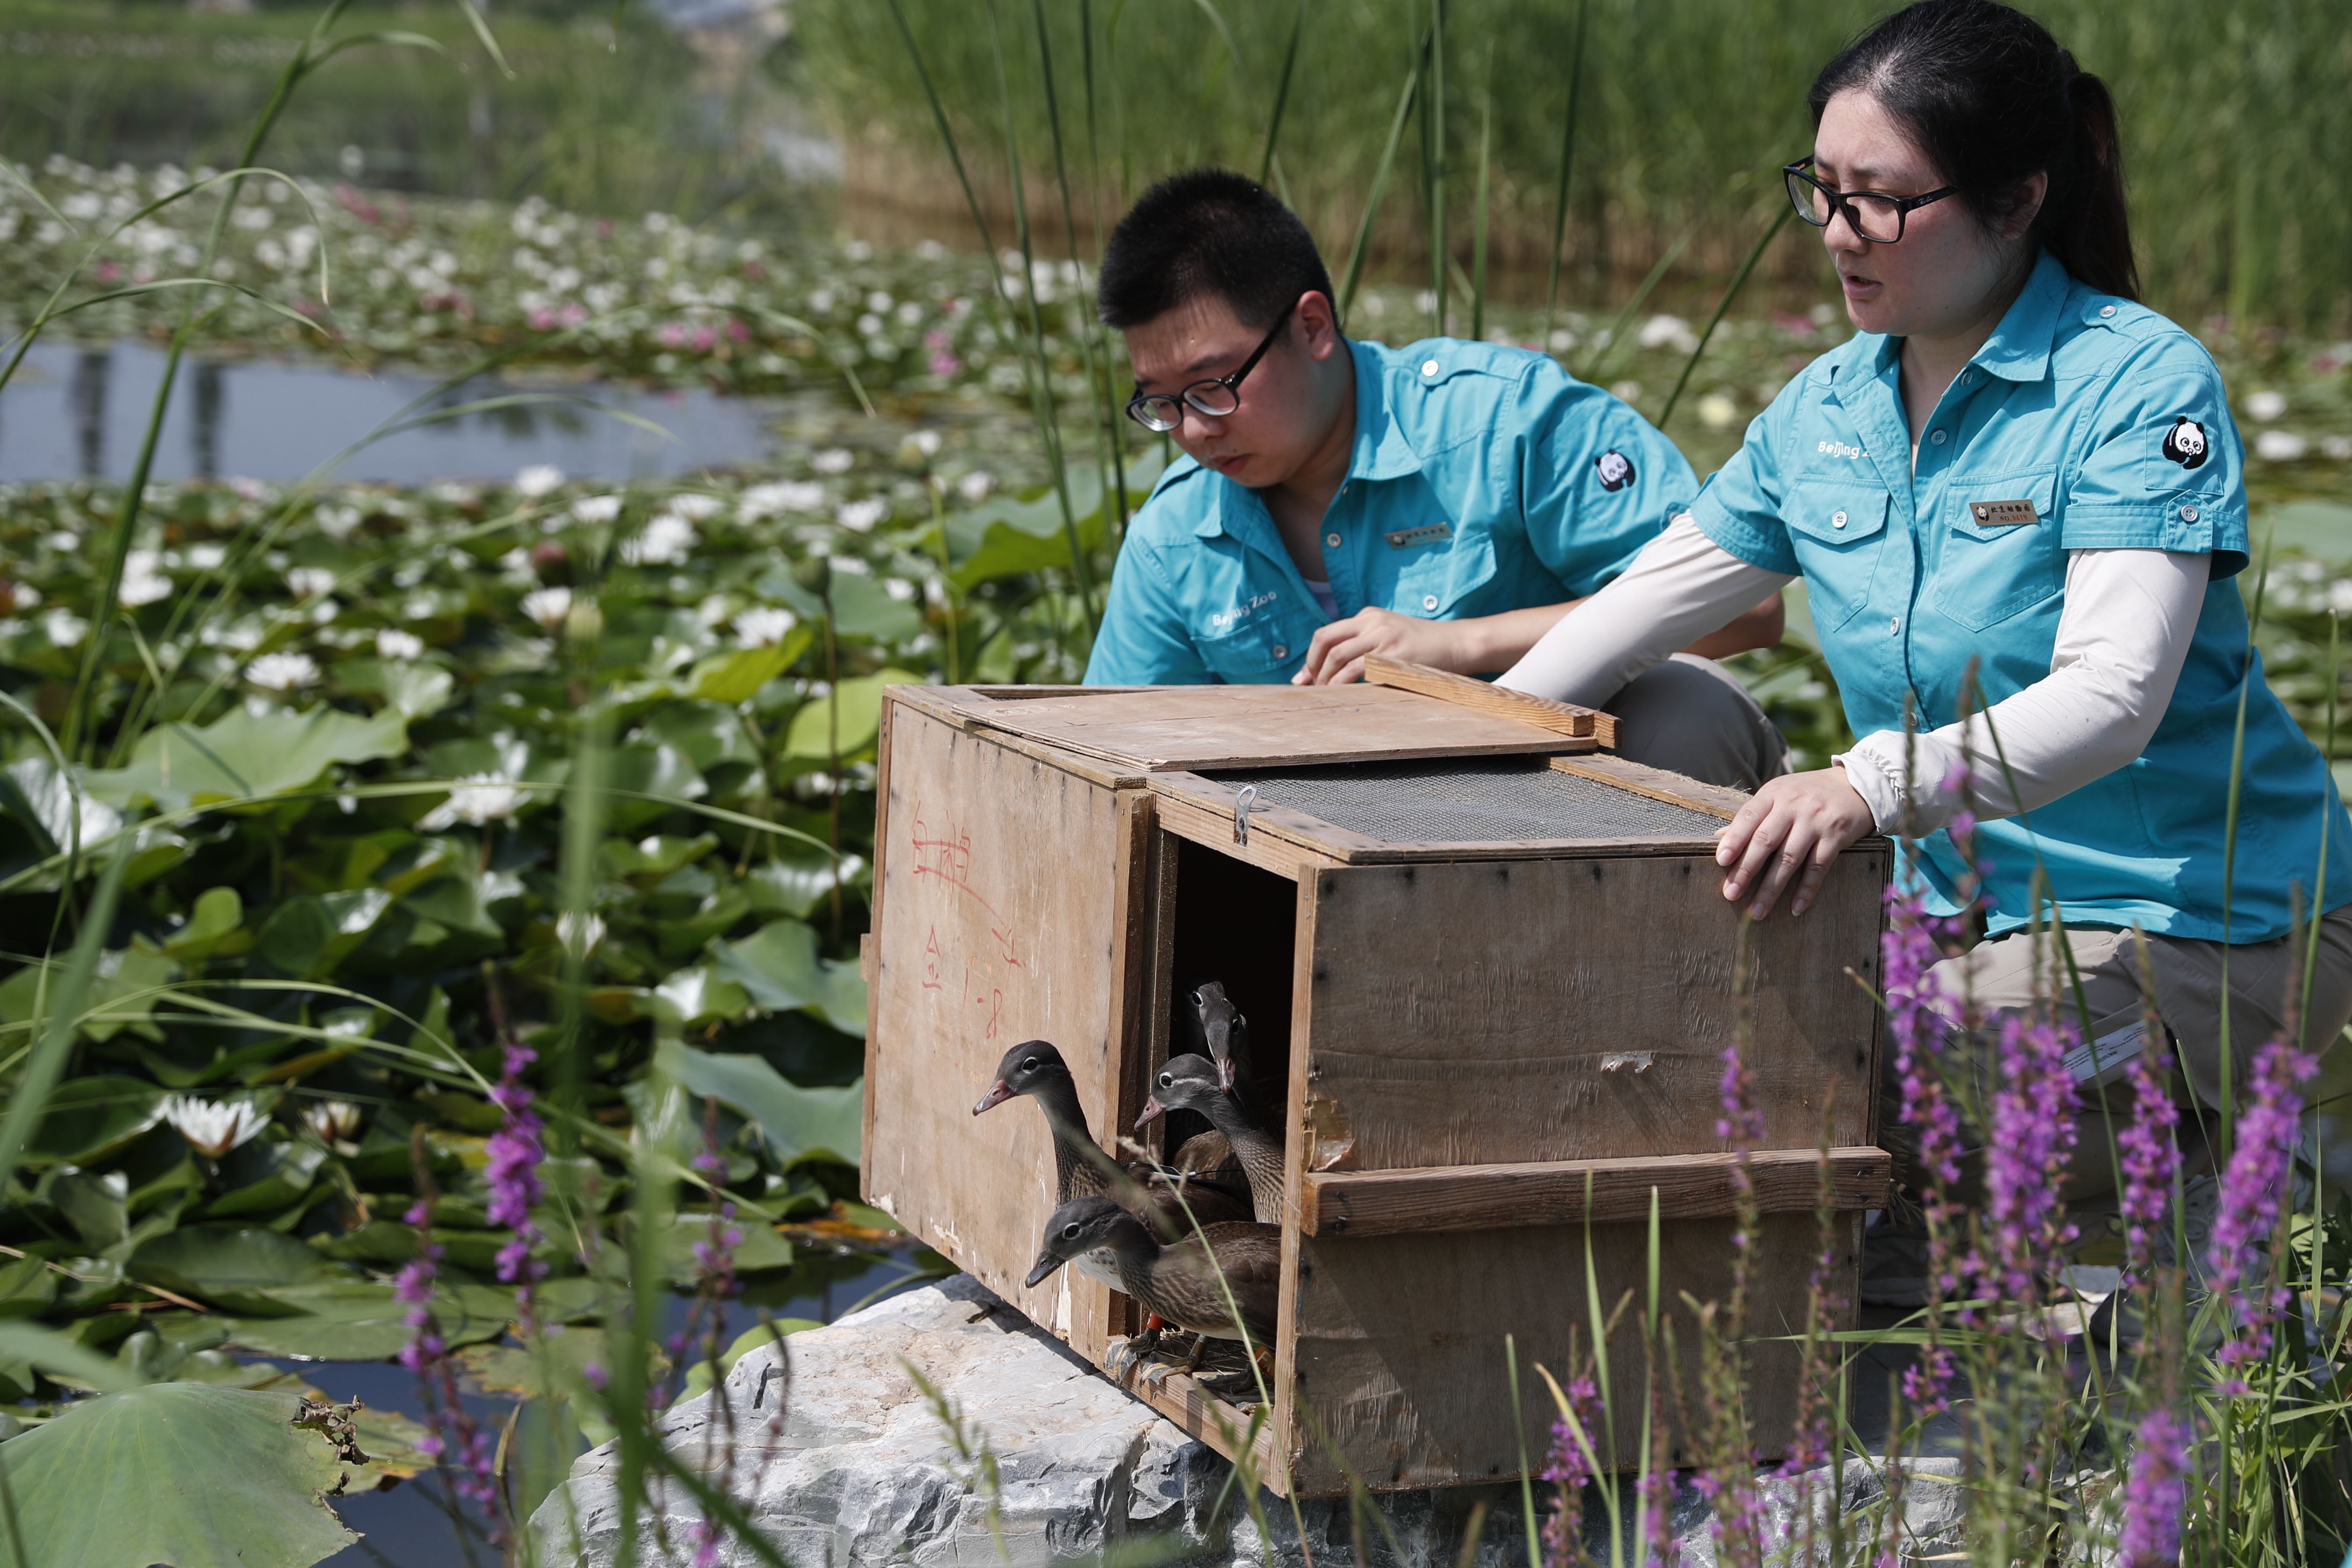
[81, 411]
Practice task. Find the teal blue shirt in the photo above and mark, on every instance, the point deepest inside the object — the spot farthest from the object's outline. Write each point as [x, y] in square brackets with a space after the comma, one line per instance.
[2110, 423]
[1484, 479]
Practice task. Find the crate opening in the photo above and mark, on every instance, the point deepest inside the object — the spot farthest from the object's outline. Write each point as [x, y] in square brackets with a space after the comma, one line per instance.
[1238, 924]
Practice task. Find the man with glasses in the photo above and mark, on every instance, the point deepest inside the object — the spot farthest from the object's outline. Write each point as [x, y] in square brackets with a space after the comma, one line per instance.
[1444, 503]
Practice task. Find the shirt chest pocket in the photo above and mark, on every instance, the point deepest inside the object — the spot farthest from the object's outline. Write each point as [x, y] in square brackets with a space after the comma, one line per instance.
[1999, 558]
[1838, 530]
[1434, 579]
[1253, 650]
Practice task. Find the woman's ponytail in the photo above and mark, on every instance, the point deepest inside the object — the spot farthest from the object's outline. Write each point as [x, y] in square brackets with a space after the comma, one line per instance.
[2085, 225]
[1991, 97]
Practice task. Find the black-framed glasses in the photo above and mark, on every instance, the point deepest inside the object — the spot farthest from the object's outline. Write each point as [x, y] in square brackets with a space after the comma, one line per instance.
[1875, 216]
[1216, 397]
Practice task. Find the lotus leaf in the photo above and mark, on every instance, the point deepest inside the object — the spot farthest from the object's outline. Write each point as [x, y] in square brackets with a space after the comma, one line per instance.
[733, 678]
[859, 702]
[178, 1473]
[216, 922]
[274, 1175]
[799, 1123]
[364, 1321]
[89, 1117]
[863, 608]
[234, 1268]
[246, 755]
[795, 878]
[411, 690]
[27, 1286]
[97, 1206]
[779, 966]
[698, 996]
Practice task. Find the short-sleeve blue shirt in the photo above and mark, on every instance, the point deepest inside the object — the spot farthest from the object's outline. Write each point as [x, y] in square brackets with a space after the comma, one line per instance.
[1484, 478]
[2087, 422]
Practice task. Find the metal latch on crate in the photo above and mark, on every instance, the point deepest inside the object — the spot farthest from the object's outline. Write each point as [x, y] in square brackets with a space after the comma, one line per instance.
[1241, 803]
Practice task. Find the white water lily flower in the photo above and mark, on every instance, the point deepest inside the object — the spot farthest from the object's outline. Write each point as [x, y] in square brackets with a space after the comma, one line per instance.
[2279, 445]
[1717, 412]
[665, 541]
[537, 480]
[336, 1123]
[833, 461]
[764, 626]
[213, 1127]
[143, 581]
[2266, 406]
[578, 933]
[695, 507]
[477, 798]
[283, 672]
[309, 582]
[398, 646]
[2338, 447]
[976, 486]
[784, 495]
[858, 516]
[596, 509]
[548, 607]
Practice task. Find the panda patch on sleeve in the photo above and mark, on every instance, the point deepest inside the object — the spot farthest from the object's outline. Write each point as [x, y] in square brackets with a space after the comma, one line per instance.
[2186, 444]
[1615, 468]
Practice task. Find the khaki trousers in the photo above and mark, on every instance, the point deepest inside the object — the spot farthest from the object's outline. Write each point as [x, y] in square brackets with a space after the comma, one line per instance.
[2189, 995]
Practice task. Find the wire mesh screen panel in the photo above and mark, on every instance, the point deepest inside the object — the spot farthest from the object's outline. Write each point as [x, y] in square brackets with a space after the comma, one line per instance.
[1472, 802]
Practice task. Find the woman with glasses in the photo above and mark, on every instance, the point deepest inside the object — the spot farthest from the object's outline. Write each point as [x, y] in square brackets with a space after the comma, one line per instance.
[1335, 499]
[2016, 500]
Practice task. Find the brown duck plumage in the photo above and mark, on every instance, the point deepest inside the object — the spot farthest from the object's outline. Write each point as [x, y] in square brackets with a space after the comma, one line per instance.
[1177, 1281]
[1191, 1083]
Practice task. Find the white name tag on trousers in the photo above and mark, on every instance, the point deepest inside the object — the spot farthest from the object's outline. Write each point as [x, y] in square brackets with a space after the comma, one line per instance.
[2101, 1061]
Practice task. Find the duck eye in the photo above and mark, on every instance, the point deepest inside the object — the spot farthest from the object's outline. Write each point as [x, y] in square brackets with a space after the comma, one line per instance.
[1029, 1064]
[1196, 999]
[1167, 1080]
[1070, 1231]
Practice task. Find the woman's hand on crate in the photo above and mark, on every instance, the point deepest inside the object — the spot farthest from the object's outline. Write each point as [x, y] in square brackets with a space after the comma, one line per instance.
[1791, 830]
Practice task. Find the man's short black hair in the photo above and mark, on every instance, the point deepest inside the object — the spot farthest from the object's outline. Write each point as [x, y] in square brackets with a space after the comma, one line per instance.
[1214, 232]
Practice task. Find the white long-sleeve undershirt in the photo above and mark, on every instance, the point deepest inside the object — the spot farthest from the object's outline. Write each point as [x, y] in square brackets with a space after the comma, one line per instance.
[2123, 637]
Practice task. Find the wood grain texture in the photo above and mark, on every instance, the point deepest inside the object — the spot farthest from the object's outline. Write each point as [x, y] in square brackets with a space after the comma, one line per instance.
[1001, 916]
[1278, 841]
[1678, 789]
[1165, 728]
[1569, 1191]
[959, 705]
[1398, 1341]
[1486, 697]
[1492, 1013]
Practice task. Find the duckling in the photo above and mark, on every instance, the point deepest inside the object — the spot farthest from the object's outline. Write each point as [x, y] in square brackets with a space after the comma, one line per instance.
[1081, 1167]
[1177, 1282]
[1191, 1083]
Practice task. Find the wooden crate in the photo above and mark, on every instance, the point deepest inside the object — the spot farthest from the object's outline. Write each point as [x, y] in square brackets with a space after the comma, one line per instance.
[1490, 1048]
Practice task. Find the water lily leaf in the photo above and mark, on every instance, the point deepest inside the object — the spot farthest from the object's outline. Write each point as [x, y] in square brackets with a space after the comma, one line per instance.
[120, 994]
[44, 801]
[286, 1171]
[859, 700]
[698, 1373]
[709, 735]
[245, 754]
[89, 1117]
[411, 690]
[96, 1206]
[649, 860]
[179, 1473]
[215, 922]
[733, 678]
[778, 966]
[359, 1319]
[27, 1286]
[796, 880]
[697, 996]
[862, 607]
[233, 1267]
[31, 1346]
[798, 1123]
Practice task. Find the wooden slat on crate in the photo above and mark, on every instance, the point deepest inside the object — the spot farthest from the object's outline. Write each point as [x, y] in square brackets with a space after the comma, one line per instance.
[1001, 905]
[1484, 697]
[1475, 1013]
[1675, 789]
[1569, 1191]
[1200, 727]
[1277, 841]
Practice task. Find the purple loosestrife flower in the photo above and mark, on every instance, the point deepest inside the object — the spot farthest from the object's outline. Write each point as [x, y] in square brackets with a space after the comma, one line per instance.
[2249, 1207]
[2155, 1493]
[516, 1152]
[2032, 1132]
[451, 1436]
[2151, 1160]
[1567, 1471]
[1656, 1517]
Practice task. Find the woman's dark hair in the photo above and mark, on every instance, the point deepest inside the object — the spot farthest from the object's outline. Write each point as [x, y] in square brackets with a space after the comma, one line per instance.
[1992, 99]
[1214, 232]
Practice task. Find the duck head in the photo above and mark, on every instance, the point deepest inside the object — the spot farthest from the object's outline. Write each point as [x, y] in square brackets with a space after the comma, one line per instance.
[1222, 1025]
[1185, 1083]
[1026, 1067]
[1078, 1227]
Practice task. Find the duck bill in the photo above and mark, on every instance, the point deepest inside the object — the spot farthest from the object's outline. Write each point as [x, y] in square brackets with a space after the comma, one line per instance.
[1152, 1111]
[998, 1093]
[1038, 1271]
[1221, 1051]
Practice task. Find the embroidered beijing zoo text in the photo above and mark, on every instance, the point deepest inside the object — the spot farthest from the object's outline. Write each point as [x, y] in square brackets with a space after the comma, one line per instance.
[1223, 618]
[1839, 449]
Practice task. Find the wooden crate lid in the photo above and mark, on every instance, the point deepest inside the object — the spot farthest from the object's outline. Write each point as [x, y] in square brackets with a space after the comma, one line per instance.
[1163, 728]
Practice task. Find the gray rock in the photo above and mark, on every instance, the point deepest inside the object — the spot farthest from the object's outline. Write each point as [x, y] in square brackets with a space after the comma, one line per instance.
[860, 1468]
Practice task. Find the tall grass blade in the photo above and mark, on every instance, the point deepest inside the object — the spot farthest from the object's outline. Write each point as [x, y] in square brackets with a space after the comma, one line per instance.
[1432, 142]
[1478, 240]
[1739, 282]
[1566, 162]
[1519, 1434]
[1282, 92]
[1612, 345]
[1354, 273]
